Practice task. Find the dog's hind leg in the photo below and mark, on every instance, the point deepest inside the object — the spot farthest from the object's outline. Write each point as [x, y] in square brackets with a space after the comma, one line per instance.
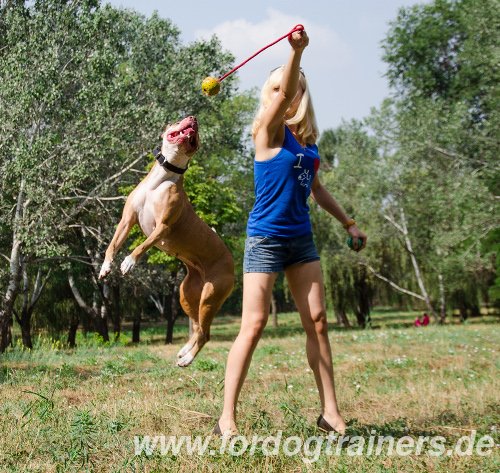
[215, 292]
[190, 294]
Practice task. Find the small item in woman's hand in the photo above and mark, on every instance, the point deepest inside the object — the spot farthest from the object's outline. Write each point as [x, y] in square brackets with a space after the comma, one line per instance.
[350, 243]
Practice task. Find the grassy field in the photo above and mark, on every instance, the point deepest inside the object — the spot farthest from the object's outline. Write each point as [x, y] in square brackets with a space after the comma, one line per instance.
[79, 410]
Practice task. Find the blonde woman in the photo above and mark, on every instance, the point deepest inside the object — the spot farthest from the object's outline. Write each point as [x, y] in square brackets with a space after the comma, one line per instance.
[279, 234]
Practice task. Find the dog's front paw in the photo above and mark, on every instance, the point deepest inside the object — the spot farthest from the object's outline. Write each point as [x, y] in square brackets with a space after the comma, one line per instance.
[128, 264]
[105, 269]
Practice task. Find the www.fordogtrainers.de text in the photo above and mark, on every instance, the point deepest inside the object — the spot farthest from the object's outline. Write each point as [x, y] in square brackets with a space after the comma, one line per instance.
[311, 448]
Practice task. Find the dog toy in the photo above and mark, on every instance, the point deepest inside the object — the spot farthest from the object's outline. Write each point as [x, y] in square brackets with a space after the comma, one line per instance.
[350, 242]
[211, 86]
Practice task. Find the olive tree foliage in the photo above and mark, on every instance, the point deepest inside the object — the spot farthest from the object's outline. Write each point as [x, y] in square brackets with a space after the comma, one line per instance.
[437, 208]
[443, 55]
[442, 63]
[348, 161]
[420, 174]
[425, 215]
[85, 91]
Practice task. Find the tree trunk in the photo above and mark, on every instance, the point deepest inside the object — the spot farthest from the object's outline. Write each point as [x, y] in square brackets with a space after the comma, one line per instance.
[5, 329]
[416, 267]
[30, 302]
[102, 318]
[342, 319]
[360, 317]
[174, 312]
[101, 326]
[363, 296]
[96, 313]
[73, 327]
[442, 300]
[136, 328]
[6, 311]
[26, 330]
[116, 312]
[169, 338]
[474, 310]
[403, 228]
[274, 310]
[86, 323]
[338, 305]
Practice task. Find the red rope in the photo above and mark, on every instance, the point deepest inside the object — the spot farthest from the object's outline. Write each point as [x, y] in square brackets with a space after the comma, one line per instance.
[295, 28]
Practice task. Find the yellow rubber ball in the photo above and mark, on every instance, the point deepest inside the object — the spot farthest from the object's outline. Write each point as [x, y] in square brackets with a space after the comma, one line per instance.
[210, 86]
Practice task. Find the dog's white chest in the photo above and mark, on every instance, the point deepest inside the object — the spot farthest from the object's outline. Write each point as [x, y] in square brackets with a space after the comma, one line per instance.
[152, 200]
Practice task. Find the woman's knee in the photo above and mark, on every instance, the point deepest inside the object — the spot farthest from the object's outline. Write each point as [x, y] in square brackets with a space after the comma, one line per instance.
[317, 324]
[252, 330]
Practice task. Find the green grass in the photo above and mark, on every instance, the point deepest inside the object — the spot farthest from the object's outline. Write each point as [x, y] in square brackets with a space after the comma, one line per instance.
[79, 410]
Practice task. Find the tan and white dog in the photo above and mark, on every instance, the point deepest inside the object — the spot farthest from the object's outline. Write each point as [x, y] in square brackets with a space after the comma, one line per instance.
[161, 208]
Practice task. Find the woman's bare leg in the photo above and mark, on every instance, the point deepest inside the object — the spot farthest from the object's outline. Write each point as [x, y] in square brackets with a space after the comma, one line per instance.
[257, 291]
[306, 284]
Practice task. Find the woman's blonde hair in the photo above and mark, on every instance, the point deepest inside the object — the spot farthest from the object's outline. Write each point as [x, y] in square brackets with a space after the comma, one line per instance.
[304, 118]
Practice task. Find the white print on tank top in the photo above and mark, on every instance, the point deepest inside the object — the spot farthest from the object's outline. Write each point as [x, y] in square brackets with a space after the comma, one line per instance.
[305, 177]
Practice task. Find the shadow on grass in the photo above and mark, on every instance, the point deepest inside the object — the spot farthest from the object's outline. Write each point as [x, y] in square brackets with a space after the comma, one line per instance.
[446, 423]
[225, 328]
[396, 428]
[227, 332]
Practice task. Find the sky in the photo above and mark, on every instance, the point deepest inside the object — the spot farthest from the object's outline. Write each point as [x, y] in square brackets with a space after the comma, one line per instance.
[343, 62]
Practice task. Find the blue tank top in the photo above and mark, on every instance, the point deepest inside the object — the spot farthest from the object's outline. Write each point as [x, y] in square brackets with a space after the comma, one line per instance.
[282, 187]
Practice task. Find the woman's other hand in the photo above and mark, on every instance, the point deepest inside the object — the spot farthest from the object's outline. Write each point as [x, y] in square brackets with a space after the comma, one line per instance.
[356, 233]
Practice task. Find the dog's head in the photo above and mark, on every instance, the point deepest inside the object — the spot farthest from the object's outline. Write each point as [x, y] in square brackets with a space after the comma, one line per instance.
[181, 141]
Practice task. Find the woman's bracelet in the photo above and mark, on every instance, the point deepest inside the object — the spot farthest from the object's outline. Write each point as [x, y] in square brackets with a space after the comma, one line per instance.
[349, 223]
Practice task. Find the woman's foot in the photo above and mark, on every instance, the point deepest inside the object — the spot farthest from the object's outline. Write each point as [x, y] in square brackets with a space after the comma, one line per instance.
[331, 423]
[225, 428]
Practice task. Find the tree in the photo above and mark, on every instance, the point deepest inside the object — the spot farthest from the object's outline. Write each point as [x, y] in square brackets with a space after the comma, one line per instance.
[446, 50]
[445, 53]
[428, 199]
[441, 60]
[349, 155]
[84, 93]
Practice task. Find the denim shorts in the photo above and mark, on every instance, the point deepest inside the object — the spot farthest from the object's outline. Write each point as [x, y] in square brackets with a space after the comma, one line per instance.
[271, 254]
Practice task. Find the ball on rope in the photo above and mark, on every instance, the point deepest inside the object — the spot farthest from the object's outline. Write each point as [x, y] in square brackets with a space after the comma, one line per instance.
[210, 86]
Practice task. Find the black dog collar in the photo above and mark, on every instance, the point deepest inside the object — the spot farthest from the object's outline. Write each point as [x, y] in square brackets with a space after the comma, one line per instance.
[165, 164]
